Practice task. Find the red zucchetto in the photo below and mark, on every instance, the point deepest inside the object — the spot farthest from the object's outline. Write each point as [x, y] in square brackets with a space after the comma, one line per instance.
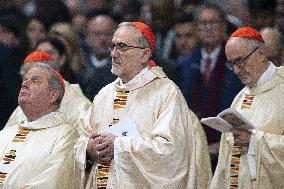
[247, 32]
[147, 33]
[59, 77]
[38, 56]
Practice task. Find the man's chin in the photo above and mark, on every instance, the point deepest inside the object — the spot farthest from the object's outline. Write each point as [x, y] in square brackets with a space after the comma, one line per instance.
[22, 100]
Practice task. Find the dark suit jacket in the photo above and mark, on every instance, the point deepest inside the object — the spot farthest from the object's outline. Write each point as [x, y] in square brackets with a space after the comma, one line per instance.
[94, 79]
[10, 82]
[226, 83]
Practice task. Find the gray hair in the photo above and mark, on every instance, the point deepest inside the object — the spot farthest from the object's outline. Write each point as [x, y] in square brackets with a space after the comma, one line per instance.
[253, 43]
[54, 83]
[52, 63]
[142, 41]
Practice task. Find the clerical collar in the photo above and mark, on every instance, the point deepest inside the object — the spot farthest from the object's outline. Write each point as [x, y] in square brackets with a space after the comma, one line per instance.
[267, 74]
[43, 117]
[120, 83]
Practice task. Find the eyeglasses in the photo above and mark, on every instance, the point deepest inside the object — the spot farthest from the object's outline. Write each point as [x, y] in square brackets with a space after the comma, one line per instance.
[240, 63]
[122, 47]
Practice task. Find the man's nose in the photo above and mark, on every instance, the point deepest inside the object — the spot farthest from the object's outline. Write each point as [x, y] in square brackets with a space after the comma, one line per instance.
[26, 83]
[114, 53]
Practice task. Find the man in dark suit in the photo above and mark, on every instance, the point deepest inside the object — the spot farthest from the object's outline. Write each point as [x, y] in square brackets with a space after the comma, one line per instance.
[207, 84]
[97, 72]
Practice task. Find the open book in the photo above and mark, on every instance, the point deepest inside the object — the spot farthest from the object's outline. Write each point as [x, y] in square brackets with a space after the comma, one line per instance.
[226, 120]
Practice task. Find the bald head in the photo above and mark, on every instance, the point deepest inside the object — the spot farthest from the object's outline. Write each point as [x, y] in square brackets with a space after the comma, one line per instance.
[272, 38]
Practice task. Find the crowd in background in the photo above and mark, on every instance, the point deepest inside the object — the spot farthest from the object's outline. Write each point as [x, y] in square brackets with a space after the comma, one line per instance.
[78, 34]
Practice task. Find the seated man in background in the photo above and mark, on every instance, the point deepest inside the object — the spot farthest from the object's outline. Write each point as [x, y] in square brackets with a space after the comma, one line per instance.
[38, 152]
[73, 103]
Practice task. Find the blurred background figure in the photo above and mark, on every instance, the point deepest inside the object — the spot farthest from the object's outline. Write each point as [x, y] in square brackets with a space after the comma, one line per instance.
[79, 19]
[35, 31]
[262, 13]
[163, 18]
[185, 40]
[279, 21]
[96, 6]
[189, 6]
[132, 7]
[10, 83]
[145, 14]
[206, 83]
[13, 47]
[237, 12]
[52, 11]
[57, 49]
[97, 71]
[66, 33]
[162, 14]
[272, 39]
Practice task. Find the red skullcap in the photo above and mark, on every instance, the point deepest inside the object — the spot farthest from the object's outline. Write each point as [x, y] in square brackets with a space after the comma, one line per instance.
[247, 32]
[38, 56]
[147, 33]
[59, 77]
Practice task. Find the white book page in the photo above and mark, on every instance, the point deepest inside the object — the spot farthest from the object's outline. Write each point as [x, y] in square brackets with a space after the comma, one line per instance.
[125, 128]
[217, 124]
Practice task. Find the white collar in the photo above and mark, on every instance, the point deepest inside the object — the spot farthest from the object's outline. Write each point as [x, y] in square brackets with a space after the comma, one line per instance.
[267, 74]
[213, 55]
[121, 84]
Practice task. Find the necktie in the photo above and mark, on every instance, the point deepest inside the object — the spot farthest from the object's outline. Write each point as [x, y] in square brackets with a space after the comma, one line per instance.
[207, 71]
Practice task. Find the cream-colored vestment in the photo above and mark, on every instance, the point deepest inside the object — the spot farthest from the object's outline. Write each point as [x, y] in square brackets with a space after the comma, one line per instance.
[262, 167]
[38, 154]
[171, 149]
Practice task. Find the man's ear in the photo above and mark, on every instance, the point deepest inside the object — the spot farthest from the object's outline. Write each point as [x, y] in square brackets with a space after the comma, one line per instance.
[54, 96]
[146, 55]
[263, 51]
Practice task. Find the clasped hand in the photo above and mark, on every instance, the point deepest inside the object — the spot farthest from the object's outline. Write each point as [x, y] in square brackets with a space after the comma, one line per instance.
[101, 147]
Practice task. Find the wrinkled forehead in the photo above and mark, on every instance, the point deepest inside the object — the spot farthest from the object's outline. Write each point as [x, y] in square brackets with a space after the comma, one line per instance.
[126, 34]
[36, 71]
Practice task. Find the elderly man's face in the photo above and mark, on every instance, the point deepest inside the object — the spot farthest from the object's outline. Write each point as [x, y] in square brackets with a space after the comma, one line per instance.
[127, 57]
[35, 89]
[247, 62]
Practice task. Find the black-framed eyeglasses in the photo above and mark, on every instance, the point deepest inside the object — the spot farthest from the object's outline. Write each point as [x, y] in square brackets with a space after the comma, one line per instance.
[240, 63]
[124, 47]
